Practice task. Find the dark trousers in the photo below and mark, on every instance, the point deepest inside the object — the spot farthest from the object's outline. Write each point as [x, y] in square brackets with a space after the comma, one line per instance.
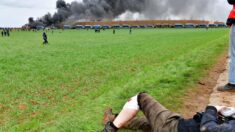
[45, 41]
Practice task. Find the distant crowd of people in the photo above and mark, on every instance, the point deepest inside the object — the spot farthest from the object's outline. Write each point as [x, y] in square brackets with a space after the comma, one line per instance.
[5, 33]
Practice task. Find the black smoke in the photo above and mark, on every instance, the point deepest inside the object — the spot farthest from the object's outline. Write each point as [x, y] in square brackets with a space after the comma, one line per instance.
[96, 10]
[63, 12]
[104, 9]
[91, 10]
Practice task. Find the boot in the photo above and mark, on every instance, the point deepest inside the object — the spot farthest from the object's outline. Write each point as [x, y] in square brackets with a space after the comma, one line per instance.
[108, 116]
[227, 87]
[109, 127]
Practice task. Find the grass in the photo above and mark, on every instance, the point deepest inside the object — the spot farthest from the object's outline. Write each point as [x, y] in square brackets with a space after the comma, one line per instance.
[66, 85]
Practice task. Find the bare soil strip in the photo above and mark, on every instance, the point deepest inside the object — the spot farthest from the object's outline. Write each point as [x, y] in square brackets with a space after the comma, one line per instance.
[222, 98]
[205, 92]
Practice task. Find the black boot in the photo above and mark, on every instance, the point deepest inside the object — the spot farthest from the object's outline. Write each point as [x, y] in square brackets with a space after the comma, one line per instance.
[227, 87]
[110, 127]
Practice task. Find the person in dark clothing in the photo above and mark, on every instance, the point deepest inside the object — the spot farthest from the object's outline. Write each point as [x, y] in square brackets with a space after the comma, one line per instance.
[8, 32]
[130, 30]
[159, 119]
[2, 34]
[114, 31]
[44, 35]
[5, 32]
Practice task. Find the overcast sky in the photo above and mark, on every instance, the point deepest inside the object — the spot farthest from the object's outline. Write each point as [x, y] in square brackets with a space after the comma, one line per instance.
[15, 13]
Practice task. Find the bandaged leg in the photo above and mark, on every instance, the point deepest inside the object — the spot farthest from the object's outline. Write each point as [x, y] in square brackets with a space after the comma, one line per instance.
[132, 103]
[129, 111]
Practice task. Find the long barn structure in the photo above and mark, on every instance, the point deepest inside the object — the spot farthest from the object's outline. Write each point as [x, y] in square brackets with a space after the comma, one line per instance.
[147, 22]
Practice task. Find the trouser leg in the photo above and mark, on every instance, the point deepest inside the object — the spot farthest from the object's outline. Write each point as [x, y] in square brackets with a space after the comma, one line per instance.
[232, 56]
[160, 119]
[139, 123]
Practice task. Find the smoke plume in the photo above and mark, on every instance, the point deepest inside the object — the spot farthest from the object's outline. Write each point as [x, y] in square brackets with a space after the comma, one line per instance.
[96, 10]
[104, 9]
[148, 9]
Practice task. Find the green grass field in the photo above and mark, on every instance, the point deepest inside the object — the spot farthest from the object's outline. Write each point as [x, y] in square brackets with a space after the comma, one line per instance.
[66, 85]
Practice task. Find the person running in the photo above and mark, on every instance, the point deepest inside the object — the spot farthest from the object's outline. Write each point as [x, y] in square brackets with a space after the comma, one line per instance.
[230, 86]
[44, 35]
[159, 119]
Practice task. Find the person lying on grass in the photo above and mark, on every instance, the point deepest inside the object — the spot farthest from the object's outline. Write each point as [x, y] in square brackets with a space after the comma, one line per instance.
[159, 119]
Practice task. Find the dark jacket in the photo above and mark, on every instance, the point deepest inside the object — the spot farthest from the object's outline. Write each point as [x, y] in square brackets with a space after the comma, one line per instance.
[188, 125]
[210, 123]
[231, 2]
[231, 17]
[44, 36]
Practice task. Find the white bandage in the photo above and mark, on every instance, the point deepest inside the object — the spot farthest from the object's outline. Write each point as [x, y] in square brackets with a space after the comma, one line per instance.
[132, 104]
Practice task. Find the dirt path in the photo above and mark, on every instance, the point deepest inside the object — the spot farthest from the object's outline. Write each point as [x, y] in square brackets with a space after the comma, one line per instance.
[222, 98]
[205, 92]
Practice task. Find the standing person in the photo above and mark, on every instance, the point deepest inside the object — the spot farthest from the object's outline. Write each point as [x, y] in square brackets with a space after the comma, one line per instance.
[114, 31]
[8, 32]
[159, 119]
[130, 30]
[44, 35]
[5, 32]
[2, 33]
[230, 86]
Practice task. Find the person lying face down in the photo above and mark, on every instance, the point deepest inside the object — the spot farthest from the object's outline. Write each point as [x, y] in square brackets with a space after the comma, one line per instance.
[159, 119]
